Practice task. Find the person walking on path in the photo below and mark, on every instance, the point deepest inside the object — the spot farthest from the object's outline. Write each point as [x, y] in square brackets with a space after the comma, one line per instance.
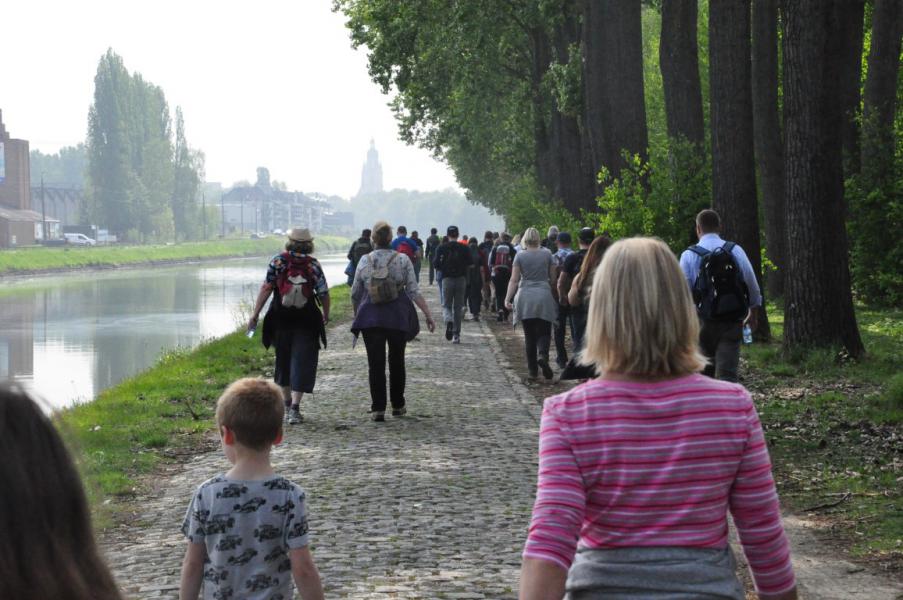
[418, 258]
[452, 259]
[534, 305]
[561, 324]
[47, 546]
[486, 247]
[475, 279]
[726, 294]
[639, 468]
[247, 528]
[359, 248]
[578, 293]
[294, 321]
[501, 260]
[383, 296]
[405, 245]
[432, 244]
[549, 242]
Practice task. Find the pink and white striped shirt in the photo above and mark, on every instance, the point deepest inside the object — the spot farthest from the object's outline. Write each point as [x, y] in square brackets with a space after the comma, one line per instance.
[628, 464]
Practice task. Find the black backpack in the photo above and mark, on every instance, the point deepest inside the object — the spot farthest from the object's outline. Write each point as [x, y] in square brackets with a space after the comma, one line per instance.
[361, 249]
[454, 259]
[720, 292]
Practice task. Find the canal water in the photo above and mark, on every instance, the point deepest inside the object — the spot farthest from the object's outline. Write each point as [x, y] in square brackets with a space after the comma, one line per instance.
[68, 337]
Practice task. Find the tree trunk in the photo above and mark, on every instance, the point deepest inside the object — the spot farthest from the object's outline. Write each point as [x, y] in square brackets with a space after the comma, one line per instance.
[851, 14]
[819, 303]
[679, 59]
[881, 91]
[733, 162]
[577, 184]
[613, 82]
[767, 136]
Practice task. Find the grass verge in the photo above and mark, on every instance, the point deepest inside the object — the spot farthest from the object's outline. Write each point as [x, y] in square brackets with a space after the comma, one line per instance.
[37, 259]
[835, 432]
[161, 414]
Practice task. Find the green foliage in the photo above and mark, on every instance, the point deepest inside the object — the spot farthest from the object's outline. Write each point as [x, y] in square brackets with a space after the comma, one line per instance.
[657, 198]
[64, 169]
[142, 186]
[529, 210]
[875, 199]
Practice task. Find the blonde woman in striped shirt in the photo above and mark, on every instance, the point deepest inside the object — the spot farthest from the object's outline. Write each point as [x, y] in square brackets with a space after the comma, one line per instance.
[639, 468]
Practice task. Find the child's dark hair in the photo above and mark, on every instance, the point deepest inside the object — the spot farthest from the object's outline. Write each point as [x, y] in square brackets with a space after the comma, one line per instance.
[252, 409]
[47, 547]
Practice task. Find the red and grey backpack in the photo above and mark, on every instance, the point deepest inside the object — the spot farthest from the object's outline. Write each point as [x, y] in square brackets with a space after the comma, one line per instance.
[297, 282]
[503, 258]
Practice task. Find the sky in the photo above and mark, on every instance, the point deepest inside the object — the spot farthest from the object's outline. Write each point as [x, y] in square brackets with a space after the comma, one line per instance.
[273, 83]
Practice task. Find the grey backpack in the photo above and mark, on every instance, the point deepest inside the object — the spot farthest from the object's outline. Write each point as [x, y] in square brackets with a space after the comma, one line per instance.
[382, 288]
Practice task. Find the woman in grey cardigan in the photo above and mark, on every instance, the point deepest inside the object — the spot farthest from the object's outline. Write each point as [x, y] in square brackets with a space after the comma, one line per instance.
[535, 305]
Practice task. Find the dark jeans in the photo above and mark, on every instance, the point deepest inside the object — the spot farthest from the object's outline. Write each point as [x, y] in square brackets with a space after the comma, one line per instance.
[720, 343]
[417, 265]
[432, 270]
[578, 326]
[376, 339]
[561, 325]
[500, 280]
[474, 292]
[297, 353]
[537, 339]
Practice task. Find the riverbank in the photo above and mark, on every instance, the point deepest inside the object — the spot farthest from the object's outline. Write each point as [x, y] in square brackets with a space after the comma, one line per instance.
[39, 260]
[162, 414]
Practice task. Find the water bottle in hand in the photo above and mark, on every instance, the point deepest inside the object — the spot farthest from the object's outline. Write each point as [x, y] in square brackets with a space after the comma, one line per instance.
[747, 334]
[250, 333]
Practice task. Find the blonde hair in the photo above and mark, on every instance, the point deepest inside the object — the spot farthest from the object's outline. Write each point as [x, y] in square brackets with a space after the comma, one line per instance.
[381, 234]
[515, 241]
[530, 239]
[641, 318]
[252, 409]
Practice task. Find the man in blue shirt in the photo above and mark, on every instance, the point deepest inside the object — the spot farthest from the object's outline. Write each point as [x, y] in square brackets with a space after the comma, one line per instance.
[406, 245]
[720, 339]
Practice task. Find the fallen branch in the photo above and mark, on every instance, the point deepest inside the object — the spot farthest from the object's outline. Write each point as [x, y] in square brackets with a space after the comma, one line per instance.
[846, 496]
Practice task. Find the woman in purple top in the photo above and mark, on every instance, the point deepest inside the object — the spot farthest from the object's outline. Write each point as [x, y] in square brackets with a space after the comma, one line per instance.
[392, 323]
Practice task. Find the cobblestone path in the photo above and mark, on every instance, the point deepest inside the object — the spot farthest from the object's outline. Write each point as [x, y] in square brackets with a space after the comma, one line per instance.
[434, 505]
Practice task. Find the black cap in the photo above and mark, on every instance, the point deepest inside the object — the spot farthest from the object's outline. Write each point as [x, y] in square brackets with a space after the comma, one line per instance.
[564, 237]
[452, 231]
[586, 235]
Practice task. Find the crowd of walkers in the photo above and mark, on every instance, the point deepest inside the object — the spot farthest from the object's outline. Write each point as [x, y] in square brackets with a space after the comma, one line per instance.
[639, 465]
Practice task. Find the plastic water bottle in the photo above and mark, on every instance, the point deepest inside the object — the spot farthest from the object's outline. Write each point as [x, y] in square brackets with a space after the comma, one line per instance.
[747, 335]
[250, 333]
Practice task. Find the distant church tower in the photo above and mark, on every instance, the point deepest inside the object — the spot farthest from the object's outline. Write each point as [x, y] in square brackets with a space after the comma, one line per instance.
[372, 173]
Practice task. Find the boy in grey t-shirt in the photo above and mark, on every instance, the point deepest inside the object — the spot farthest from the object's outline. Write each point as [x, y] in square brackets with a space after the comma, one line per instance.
[247, 529]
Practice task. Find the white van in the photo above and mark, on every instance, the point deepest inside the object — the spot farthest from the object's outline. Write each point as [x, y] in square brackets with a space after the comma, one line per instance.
[79, 239]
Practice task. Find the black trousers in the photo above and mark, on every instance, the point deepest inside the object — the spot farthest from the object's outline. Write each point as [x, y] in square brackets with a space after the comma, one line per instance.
[376, 339]
[537, 339]
[720, 343]
[501, 280]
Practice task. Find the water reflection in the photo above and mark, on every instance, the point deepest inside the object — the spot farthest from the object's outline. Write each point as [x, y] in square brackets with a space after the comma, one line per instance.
[68, 337]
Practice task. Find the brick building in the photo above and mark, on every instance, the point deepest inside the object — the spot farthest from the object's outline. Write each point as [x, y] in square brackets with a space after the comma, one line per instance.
[19, 225]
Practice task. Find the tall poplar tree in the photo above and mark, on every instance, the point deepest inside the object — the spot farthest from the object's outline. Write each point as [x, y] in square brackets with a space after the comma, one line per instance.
[818, 300]
[733, 162]
[613, 82]
[767, 136]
